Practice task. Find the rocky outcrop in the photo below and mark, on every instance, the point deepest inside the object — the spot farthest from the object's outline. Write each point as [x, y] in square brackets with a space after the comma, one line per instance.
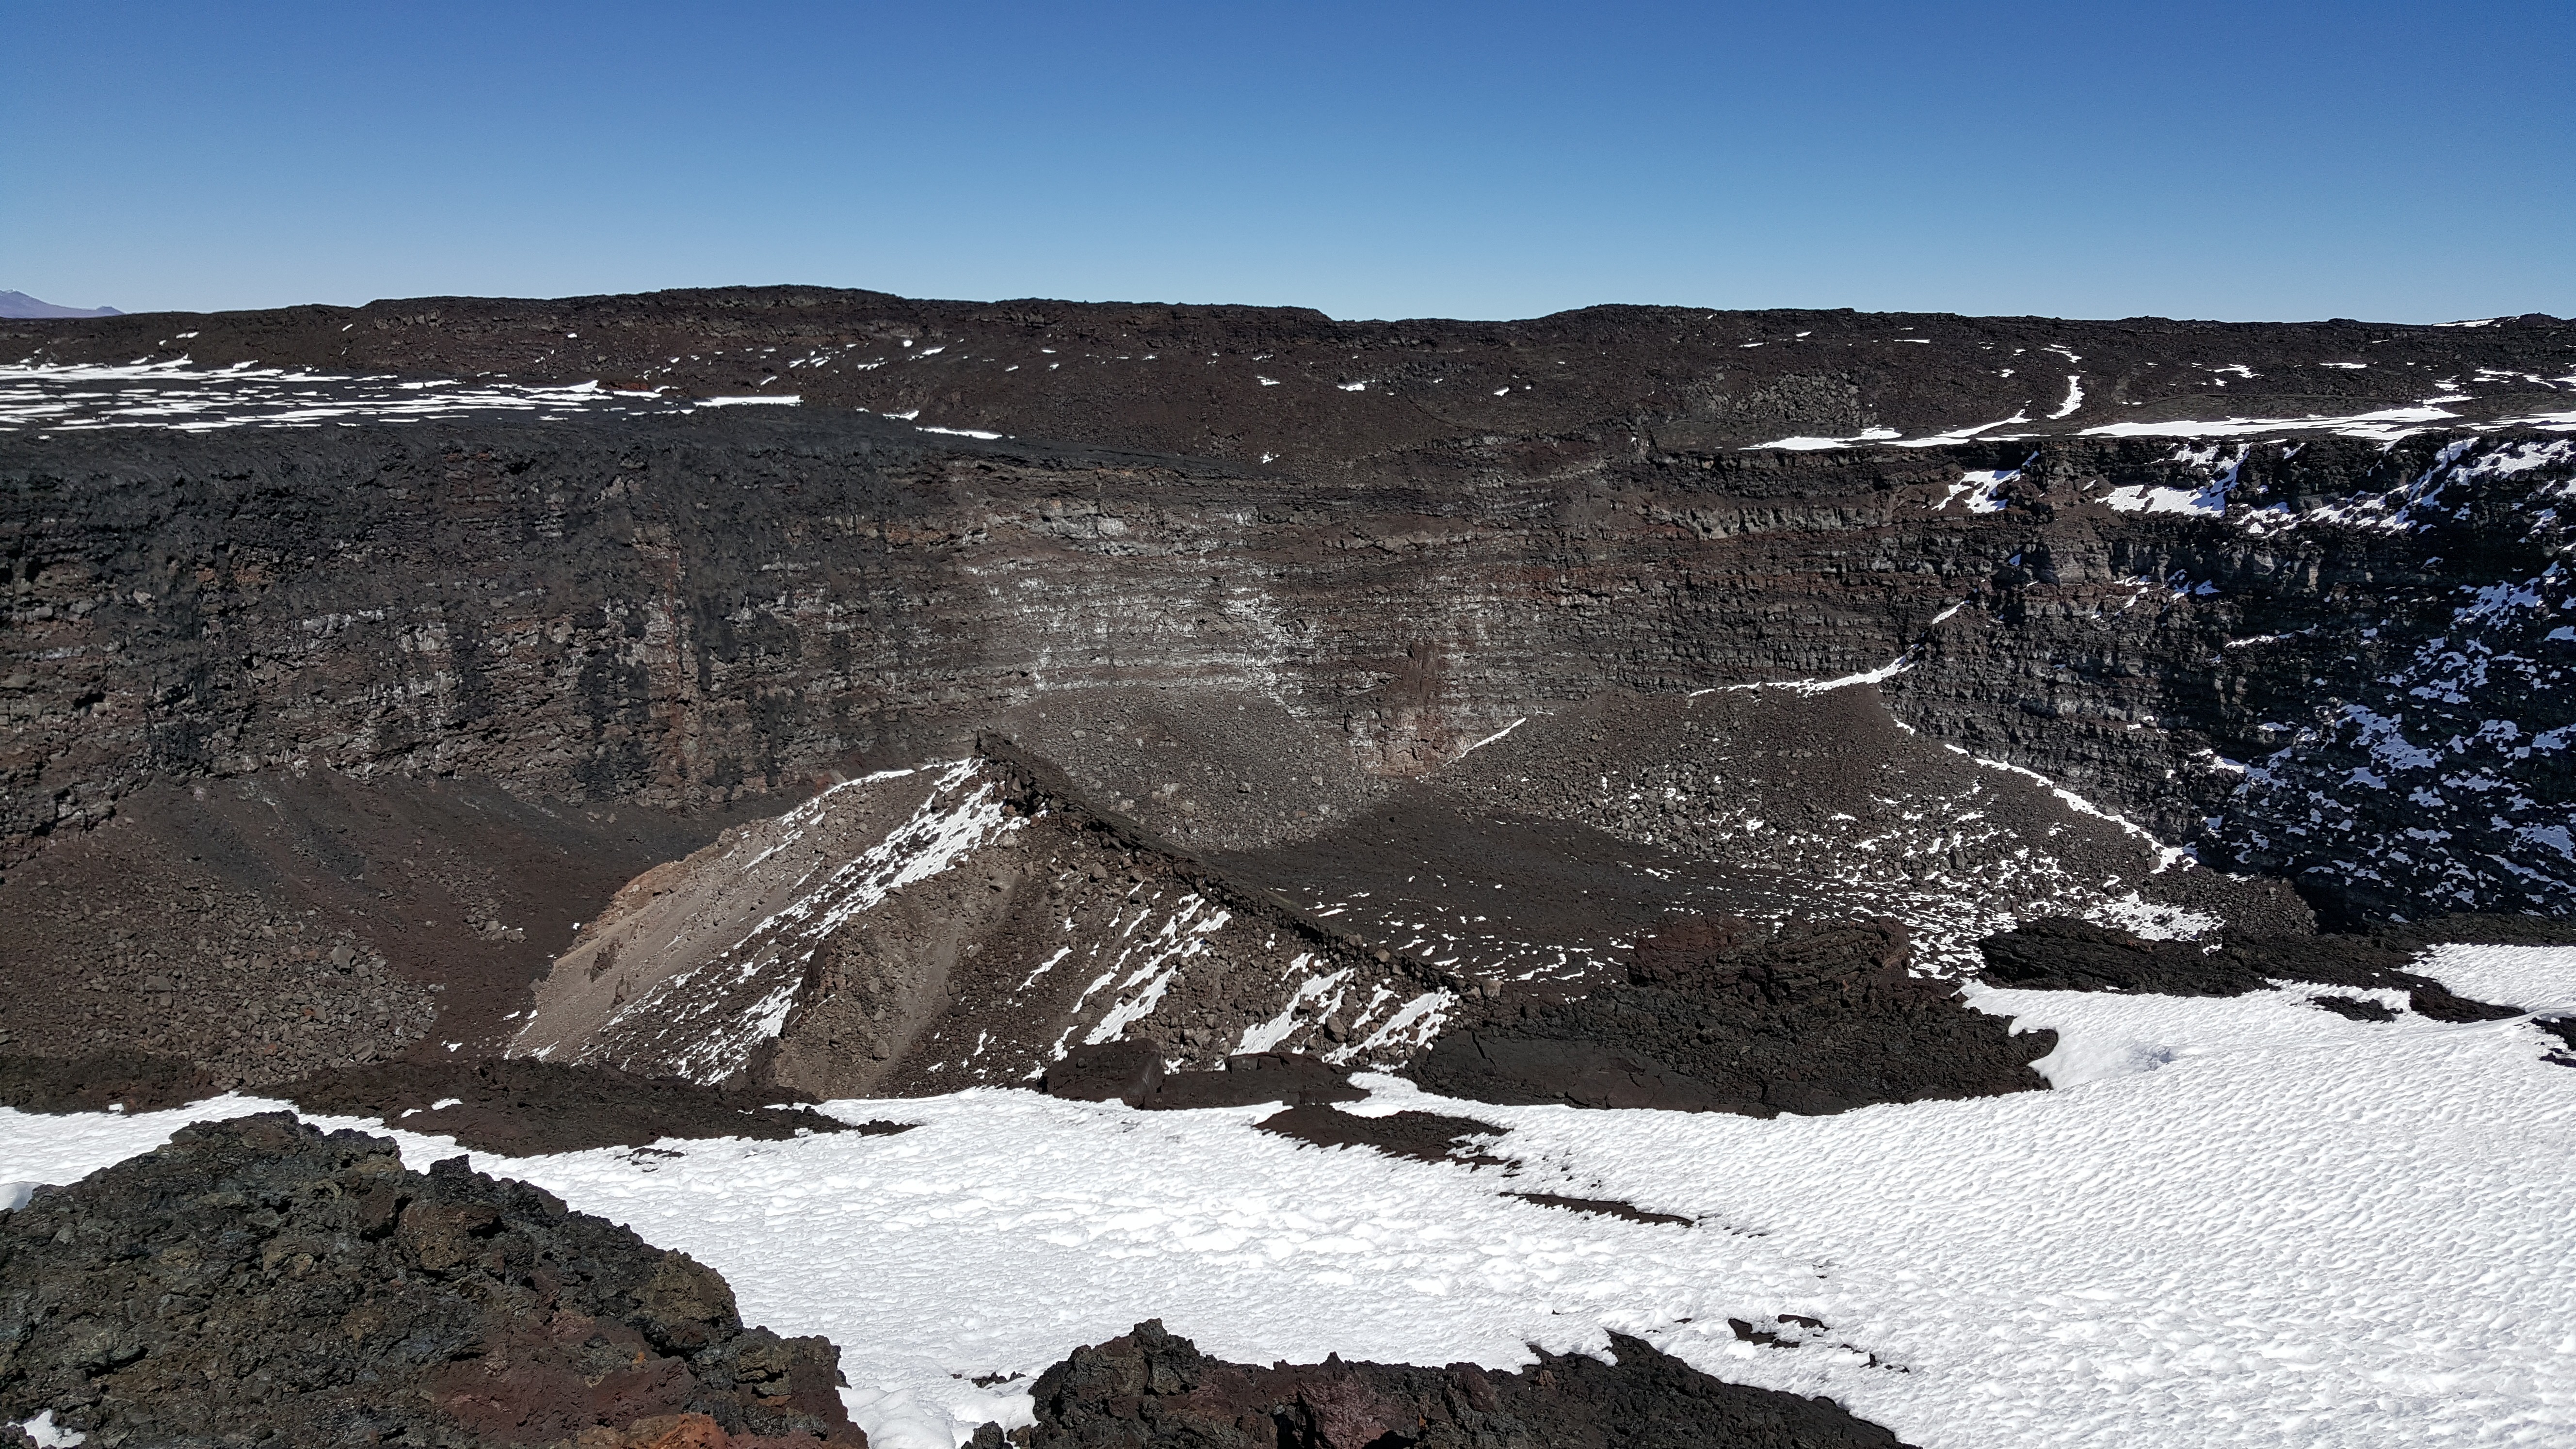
[1422, 1136]
[522, 1108]
[257, 1281]
[1151, 1389]
[2064, 955]
[1727, 1016]
[964, 924]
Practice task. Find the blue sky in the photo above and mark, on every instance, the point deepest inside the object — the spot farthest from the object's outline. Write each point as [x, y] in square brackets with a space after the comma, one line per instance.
[2393, 162]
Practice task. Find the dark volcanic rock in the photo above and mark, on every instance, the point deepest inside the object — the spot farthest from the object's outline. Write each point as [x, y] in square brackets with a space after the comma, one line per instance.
[2563, 1028]
[1253, 1077]
[2069, 955]
[1132, 1072]
[1602, 1207]
[1150, 1389]
[1112, 1071]
[133, 1081]
[1724, 1016]
[255, 1281]
[1425, 1136]
[2354, 1008]
[523, 1107]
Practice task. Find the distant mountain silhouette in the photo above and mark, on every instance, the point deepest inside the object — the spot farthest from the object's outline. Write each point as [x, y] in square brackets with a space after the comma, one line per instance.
[20, 305]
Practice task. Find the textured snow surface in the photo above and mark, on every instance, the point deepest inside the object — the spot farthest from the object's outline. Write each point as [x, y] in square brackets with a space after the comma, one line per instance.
[2237, 1221]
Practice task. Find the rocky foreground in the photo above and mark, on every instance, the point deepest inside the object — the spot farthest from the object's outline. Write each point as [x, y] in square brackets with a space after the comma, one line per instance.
[259, 1281]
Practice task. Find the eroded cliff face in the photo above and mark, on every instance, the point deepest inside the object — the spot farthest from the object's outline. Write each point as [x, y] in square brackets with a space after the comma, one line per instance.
[2341, 664]
[722, 608]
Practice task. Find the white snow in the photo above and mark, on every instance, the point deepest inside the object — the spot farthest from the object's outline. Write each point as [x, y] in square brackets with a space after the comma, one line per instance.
[1983, 487]
[1489, 739]
[41, 1429]
[2237, 1220]
[2074, 397]
[1960, 435]
[1881, 674]
[182, 397]
[2152, 919]
[2384, 424]
[1804, 445]
[2168, 855]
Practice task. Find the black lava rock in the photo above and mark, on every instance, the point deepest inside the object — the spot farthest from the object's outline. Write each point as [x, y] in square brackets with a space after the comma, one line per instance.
[2059, 954]
[256, 1281]
[521, 1107]
[1113, 1071]
[1292, 1078]
[1723, 1016]
[1150, 1389]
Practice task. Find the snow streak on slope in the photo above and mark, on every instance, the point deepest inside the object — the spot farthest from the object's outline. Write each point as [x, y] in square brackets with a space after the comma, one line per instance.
[1955, 865]
[2243, 1215]
[1140, 956]
[704, 1022]
[2384, 424]
[182, 398]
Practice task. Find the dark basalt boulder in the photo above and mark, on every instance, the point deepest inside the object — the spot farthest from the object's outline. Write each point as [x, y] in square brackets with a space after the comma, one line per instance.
[1422, 1136]
[1132, 1072]
[1290, 1078]
[521, 1107]
[258, 1281]
[1722, 1015]
[2061, 954]
[2354, 1008]
[2561, 1029]
[1151, 1389]
[1111, 1071]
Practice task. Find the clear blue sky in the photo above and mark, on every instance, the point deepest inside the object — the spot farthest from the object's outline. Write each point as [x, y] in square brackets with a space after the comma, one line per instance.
[2405, 162]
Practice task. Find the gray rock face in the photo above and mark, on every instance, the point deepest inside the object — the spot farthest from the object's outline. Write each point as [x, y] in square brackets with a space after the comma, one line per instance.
[688, 610]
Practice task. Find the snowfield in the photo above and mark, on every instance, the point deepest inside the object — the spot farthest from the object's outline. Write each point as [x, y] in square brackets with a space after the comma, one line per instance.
[2236, 1221]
